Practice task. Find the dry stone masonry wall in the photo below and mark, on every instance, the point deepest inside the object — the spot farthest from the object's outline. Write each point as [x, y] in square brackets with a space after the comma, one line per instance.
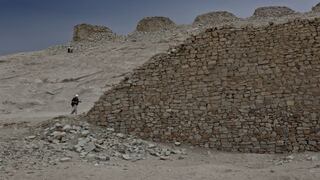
[316, 8]
[151, 24]
[214, 18]
[251, 89]
[87, 32]
[273, 11]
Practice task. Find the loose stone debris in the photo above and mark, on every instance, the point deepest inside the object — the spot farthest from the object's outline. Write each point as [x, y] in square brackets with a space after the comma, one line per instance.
[98, 143]
[291, 158]
[66, 139]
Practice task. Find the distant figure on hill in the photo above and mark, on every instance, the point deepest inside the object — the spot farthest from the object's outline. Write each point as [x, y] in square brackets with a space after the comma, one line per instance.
[74, 103]
[70, 49]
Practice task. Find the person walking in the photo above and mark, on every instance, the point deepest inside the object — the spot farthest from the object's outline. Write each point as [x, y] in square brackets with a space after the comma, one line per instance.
[70, 49]
[74, 103]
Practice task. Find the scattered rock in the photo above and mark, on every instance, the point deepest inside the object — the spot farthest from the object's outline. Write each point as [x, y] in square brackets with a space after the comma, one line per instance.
[85, 133]
[57, 125]
[89, 147]
[164, 158]
[78, 148]
[91, 157]
[313, 158]
[30, 137]
[289, 158]
[151, 146]
[103, 158]
[279, 163]
[65, 159]
[126, 157]
[167, 153]
[67, 127]
[120, 135]
[110, 129]
[177, 143]
[58, 134]
[181, 157]
[82, 141]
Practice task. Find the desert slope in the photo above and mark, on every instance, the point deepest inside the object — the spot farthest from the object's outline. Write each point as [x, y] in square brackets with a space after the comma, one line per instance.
[43, 82]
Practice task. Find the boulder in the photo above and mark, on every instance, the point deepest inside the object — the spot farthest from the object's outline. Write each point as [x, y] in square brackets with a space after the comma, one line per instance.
[151, 24]
[273, 11]
[87, 32]
[215, 18]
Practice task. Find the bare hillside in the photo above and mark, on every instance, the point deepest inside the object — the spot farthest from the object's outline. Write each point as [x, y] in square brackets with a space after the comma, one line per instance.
[43, 82]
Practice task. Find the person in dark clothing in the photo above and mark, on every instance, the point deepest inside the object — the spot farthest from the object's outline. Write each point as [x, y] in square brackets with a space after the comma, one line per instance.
[70, 49]
[74, 103]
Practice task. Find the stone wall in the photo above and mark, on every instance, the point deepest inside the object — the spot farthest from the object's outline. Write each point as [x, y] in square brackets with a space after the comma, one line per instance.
[151, 24]
[215, 18]
[316, 8]
[252, 89]
[88, 32]
[272, 11]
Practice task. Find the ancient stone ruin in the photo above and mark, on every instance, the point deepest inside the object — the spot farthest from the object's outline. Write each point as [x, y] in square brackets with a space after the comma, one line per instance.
[272, 11]
[214, 18]
[316, 8]
[151, 24]
[87, 32]
[250, 89]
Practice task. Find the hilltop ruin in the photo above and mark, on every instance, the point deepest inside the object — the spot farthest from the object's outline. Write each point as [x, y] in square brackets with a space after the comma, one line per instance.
[272, 11]
[214, 18]
[88, 32]
[151, 24]
[316, 8]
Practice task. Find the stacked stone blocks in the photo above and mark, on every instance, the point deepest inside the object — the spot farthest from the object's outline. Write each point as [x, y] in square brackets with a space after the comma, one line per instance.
[250, 89]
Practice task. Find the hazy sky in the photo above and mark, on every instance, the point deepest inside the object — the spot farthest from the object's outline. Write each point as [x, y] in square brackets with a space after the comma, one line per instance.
[27, 25]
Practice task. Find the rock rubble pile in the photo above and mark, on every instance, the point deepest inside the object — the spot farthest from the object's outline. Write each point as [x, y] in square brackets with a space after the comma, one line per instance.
[64, 139]
[101, 144]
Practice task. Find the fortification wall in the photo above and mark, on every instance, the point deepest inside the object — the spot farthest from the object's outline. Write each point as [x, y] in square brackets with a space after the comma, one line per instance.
[215, 18]
[152, 24]
[88, 32]
[272, 11]
[248, 90]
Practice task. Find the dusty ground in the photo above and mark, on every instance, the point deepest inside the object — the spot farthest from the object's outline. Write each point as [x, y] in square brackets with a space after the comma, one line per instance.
[37, 86]
[197, 167]
[197, 164]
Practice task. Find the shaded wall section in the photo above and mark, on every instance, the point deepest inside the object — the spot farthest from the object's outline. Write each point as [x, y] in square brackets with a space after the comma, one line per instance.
[247, 89]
